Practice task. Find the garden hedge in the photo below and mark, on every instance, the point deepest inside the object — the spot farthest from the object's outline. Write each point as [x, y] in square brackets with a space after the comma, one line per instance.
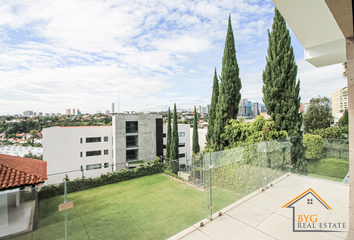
[314, 146]
[330, 167]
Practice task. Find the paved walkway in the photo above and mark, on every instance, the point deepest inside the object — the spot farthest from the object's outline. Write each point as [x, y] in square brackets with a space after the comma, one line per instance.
[260, 215]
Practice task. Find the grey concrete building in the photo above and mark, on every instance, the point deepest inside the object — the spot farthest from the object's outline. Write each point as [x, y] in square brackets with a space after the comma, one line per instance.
[136, 137]
[255, 109]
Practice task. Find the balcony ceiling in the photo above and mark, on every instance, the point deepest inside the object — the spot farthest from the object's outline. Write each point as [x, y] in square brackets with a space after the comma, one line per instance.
[320, 26]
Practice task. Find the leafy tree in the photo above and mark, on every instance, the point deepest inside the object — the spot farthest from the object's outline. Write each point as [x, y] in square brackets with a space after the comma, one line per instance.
[318, 115]
[345, 69]
[229, 95]
[33, 135]
[281, 92]
[174, 140]
[344, 121]
[34, 156]
[169, 135]
[196, 147]
[212, 111]
[330, 132]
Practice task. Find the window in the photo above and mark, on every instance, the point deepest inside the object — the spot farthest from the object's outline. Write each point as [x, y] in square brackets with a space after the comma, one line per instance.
[132, 155]
[182, 144]
[80, 140]
[105, 139]
[106, 152]
[93, 139]
[181, 134]
[94, 166]
[132, 141]
[93, 153]
[80, 154]
[164, 146]
[106, 165]
[181, 155]
[164, 135]
[131, 126]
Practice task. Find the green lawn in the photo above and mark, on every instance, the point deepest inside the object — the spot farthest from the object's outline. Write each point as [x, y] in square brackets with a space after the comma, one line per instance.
[151, 207]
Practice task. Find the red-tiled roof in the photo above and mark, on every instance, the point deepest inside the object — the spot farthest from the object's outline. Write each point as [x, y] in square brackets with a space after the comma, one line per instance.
[19, 171]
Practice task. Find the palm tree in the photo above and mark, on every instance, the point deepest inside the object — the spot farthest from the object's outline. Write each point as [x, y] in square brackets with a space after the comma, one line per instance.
[345, 69]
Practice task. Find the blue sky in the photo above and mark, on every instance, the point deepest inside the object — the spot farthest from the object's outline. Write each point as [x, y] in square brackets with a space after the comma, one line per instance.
[63, 54]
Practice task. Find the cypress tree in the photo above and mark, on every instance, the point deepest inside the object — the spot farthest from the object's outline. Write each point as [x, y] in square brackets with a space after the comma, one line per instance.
[174, 141]
[169, 135]
[281, 92]
[212, 111]
[230, 86]
[280, 89]
[196, 147]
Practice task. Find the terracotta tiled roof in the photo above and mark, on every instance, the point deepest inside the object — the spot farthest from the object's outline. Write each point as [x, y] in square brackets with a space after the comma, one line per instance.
[19, 171]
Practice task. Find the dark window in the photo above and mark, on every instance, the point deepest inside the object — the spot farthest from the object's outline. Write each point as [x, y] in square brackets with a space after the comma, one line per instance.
[80, 140]
[164, 146]
[94, 166]
[93, 153]
[164, 135]
[80, 154]
[93, 139]
[105, 139]
[181, 155]
[106, 165]
[159, 137]
[182, 144]
[131, 126]
[106, 152]
[132, 155]
[132, 141]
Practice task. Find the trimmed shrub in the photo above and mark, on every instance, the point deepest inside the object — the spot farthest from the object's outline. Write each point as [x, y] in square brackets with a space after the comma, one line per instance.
[314, 146]
[330, 167]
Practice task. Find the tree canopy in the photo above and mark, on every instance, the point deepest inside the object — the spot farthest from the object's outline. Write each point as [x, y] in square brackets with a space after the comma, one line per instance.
[318, 115]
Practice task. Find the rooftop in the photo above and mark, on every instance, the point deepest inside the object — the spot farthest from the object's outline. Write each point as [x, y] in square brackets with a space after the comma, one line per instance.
[18, 171]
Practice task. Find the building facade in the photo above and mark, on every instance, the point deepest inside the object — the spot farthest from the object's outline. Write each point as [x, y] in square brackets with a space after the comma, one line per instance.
[340, 101]
[255, 109]
[93, 150]
[68, 112]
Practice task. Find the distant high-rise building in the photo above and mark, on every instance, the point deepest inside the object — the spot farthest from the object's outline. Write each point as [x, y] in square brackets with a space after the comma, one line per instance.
[200, 109]
[53, 114]
[78, 112]
[208, 106]
[241, 110]
[107, 111]
[112, 108]
[263, 109]
[40, 114]
[244, 101]
[74, 112]
[58, 114]
[34, 114]
[204, 110]
[68, 112]
[47, 114]
[249, 108]
[340, 101]
[255, 110]
[27, 113]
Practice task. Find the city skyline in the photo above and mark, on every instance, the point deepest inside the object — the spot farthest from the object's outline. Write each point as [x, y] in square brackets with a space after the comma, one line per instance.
[54, 55]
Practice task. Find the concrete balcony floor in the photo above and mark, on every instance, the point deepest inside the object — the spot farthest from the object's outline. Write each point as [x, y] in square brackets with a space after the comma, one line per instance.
[260, 215]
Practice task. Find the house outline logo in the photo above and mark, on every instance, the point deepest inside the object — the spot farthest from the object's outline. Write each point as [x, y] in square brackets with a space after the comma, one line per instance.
[310, 191]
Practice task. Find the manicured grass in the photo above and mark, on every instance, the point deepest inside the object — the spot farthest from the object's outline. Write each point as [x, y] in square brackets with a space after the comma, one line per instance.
[325, 177]
[330, 167]
[150, 207]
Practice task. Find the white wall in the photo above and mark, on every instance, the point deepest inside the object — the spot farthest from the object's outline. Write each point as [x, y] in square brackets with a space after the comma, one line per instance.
[186, 139]
[62, 148]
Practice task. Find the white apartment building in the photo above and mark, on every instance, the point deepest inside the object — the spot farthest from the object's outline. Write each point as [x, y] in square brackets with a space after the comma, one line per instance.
[93, 150]
[184, 140]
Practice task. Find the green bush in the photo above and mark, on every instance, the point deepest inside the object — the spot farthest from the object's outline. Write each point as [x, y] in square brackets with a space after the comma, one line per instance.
[314, 146]
[85, 183]
[330, 167]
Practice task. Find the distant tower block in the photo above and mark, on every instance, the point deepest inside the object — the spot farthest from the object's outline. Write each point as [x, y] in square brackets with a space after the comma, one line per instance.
[74, 112]
[68, 111]
[112, 108]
